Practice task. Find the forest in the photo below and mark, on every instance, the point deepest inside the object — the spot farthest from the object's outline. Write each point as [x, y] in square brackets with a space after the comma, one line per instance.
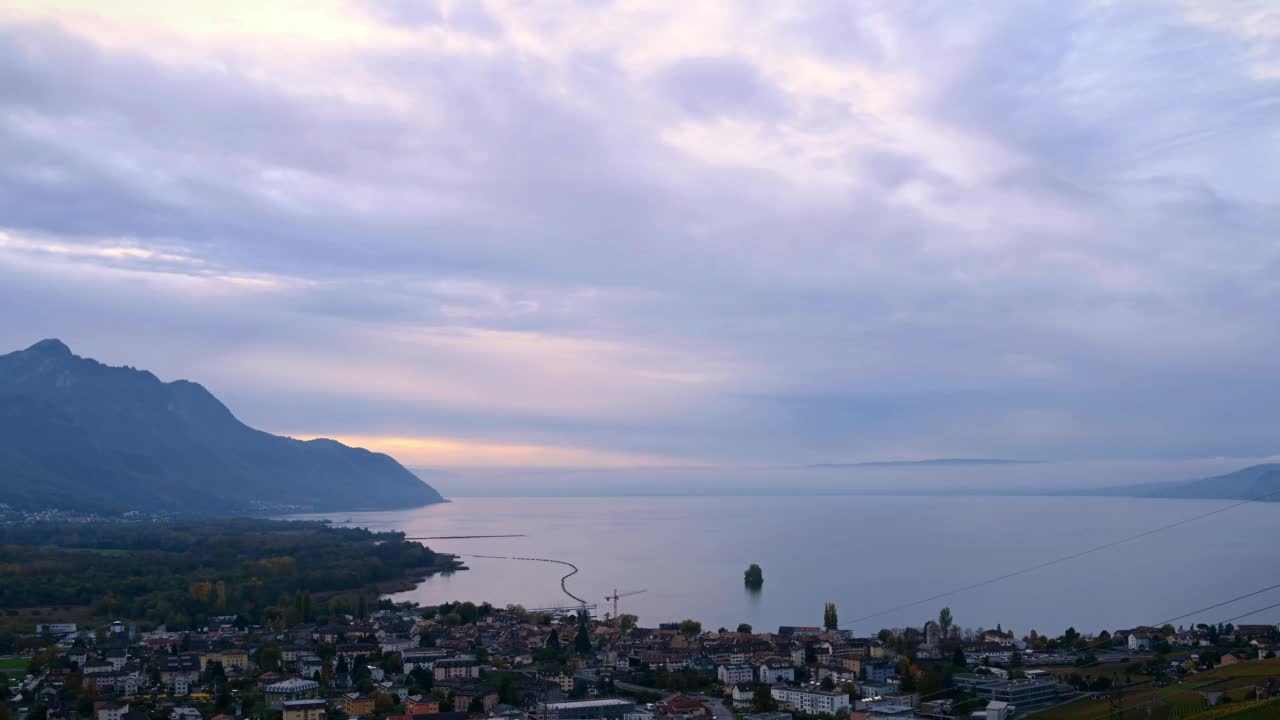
[183, 573]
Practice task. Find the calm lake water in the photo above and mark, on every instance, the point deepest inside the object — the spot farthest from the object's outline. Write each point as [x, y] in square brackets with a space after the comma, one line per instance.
[866, 554]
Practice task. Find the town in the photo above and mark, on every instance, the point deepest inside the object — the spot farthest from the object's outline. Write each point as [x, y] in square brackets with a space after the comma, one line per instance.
[461, 660]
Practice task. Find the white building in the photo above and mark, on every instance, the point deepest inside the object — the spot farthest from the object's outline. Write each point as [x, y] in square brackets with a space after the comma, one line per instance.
[1139, 642]
[734, 673]
[110, 710]
[810, 701]
[776, 672]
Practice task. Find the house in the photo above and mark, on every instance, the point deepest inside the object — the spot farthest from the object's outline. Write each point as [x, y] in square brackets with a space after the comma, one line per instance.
[310, 666]
[313, 709]
[110, 710]
[734, 673]
[742, 695]
[355, 704]
[680, 706]
[774, 671]
[116, 658]
[1139, 642]
[810, 701]
[421, 705]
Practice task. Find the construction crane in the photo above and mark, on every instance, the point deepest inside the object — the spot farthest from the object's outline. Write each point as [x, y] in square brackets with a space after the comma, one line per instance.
[614, 597]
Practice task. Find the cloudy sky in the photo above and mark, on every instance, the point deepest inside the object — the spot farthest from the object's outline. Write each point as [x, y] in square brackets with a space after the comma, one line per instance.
[621, 234]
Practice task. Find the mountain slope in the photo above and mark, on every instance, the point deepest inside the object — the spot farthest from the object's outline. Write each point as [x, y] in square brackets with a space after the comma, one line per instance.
[1256, 482]
[75, 433]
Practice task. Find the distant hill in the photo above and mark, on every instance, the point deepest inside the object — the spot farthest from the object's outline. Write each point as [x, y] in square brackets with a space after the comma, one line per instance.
[1254, 482]
[926, 463]
[77, 434]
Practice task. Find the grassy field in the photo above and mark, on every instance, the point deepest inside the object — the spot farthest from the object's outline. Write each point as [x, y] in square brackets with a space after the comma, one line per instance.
[26, 619]
[1262, 710]
[1181, 701]
[13, 666]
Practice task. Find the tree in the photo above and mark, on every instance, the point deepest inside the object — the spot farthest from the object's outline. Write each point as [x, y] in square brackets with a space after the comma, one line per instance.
[753, 577]
[553, 639]
[508, 693]
[958, 658]
[744, 628]
[945, 622]
[830, 618]
[690, 627]
[762, 699]
[827, 684]
[627, 622]
[582, 641]
[384, 703]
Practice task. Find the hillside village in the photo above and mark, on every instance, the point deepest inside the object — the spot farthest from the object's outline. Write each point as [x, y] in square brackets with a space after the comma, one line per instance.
[461, 661]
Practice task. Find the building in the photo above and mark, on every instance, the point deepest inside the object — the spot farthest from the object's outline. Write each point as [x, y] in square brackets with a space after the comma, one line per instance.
[1023, 694]
[608, 709]
[110, 710]
[768, 716]
[421, 705]
[179, 672]
[877, 670]
[562, 678]
[304, 709]
[465, 691]
[775, 672]
[734, 673]
[995, 710]
[449, 669]
[355, 704]
[232, 658]
[277, 694]
[808, 701]
[1139, 642]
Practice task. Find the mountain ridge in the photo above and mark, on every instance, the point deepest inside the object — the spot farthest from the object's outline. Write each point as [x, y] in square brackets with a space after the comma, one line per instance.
[1255, 482]
[79, 434]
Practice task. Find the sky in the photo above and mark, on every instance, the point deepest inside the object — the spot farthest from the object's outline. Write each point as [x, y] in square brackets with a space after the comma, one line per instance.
[701, 235]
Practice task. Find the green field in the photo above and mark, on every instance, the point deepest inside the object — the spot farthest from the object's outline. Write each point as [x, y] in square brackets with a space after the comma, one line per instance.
[15, 666]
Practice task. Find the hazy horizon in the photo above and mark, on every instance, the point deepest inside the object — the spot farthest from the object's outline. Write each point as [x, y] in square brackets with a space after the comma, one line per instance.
[1013, 479]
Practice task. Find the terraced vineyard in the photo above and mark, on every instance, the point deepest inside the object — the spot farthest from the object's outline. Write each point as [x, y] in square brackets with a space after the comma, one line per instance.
[1184, 700]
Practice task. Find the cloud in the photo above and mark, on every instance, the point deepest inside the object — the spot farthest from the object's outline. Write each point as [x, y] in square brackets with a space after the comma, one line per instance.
[703, 233]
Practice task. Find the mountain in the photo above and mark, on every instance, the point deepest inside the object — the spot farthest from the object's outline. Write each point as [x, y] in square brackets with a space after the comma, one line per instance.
[77, 434]
[926, 463]
[1256, 482]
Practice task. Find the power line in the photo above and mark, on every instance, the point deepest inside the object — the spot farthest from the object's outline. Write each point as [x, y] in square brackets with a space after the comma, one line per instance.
[1064, 558]
[1098, 643]
[1222, 622]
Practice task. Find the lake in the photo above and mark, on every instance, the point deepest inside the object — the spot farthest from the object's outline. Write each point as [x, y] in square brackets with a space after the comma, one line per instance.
[865, 553]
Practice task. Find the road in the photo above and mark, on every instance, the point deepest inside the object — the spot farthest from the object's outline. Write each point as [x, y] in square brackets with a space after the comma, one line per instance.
[718, 709]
